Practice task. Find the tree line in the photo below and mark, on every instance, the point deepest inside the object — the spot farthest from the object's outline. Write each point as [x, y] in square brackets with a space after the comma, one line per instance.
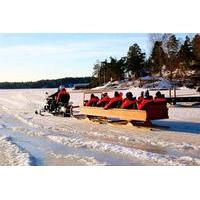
[169, 57]
[67, 82]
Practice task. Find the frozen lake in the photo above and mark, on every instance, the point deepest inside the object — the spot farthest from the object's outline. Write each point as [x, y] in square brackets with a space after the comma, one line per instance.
[29, 139]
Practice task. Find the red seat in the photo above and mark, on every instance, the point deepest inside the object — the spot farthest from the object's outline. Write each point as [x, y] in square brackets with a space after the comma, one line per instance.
[157, 111]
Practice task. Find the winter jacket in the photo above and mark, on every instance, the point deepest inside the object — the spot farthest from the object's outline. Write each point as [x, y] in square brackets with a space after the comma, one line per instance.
[129, 103]
[145, 101]
[160, 100]
[63, 96]
[103, 101]
[113, 103]
[92, 102]
[140, 99]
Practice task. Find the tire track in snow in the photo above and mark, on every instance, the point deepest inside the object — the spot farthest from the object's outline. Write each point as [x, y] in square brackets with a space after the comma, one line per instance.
[118, 149]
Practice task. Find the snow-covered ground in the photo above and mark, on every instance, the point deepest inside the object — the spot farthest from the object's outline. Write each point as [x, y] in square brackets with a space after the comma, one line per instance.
[29, 139]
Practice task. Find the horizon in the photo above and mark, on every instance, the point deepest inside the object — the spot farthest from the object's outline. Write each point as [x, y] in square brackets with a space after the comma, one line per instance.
[30, 57]
[44, 79]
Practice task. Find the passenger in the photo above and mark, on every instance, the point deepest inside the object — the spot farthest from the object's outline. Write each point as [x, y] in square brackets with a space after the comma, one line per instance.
[160, 98]
[114, 102]
[141, 97]
[63, 97]
[158, 94]
[129, 102]
[104, 100]
[147, 95]
[148, 99]
[93, 101]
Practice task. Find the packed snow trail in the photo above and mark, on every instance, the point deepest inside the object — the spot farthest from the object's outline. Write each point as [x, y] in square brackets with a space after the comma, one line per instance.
[52, 140]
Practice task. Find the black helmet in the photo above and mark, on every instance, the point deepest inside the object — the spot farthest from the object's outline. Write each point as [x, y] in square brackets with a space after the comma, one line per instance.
[147, 94]
[129, 95]
[158, 94]
[116, 94]
[105, 94]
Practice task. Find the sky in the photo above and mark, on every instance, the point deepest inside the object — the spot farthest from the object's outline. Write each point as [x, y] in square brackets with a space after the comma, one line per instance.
[31, 57]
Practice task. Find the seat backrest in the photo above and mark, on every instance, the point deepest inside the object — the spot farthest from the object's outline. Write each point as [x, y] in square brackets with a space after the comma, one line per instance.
[157, 111]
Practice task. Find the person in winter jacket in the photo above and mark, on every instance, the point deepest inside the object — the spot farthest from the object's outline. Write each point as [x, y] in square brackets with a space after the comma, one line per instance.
[93, 100]
[63, 96]
[159, 98]
[54, 96]
[147, 99]
[114, 102]
[104, 100]
[129, 102]
[141, 97]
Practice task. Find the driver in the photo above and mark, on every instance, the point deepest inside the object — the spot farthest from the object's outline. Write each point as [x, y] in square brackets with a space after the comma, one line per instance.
[63, 96]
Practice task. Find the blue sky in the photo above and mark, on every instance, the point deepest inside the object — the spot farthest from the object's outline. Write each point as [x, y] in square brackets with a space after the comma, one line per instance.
[30, 57]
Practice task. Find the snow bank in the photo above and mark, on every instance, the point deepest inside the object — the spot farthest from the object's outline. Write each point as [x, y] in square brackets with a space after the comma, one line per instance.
[11, 154]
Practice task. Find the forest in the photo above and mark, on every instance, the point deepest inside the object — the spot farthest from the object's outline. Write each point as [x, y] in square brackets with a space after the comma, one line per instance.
[67, 82]
[169, 57]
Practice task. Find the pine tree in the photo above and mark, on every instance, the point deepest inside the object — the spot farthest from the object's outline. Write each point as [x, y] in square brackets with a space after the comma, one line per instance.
[158, 57]
[171, 50]
[185, 56]
[196, 48]
[135, 60]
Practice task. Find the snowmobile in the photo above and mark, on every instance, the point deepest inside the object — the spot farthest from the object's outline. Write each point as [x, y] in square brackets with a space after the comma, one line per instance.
[60, 109]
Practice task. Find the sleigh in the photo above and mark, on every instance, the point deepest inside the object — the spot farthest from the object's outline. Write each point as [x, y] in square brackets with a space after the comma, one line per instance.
[153, 111]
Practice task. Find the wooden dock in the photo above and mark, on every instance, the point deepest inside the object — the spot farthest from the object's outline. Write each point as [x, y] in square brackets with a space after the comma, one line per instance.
[174, 100]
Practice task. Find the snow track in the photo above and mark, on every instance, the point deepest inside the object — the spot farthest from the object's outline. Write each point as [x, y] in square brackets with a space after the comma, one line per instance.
[135, 153]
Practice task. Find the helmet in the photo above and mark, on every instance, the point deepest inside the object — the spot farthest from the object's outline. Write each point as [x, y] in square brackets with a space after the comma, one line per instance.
[158, 94]
[146, 94]
[61, 87]
[129, 95]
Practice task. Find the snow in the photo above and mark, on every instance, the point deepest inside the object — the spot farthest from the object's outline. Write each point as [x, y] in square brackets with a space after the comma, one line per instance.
[12, 154]
[159, 85]
[48, 140]
[135, 153]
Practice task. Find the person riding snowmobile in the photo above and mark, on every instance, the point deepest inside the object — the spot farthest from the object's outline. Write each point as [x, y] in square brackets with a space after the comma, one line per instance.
[52, 99]
[63, 97]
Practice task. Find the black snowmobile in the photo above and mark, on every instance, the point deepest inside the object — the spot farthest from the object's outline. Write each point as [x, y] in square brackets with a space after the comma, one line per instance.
[63, 108]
